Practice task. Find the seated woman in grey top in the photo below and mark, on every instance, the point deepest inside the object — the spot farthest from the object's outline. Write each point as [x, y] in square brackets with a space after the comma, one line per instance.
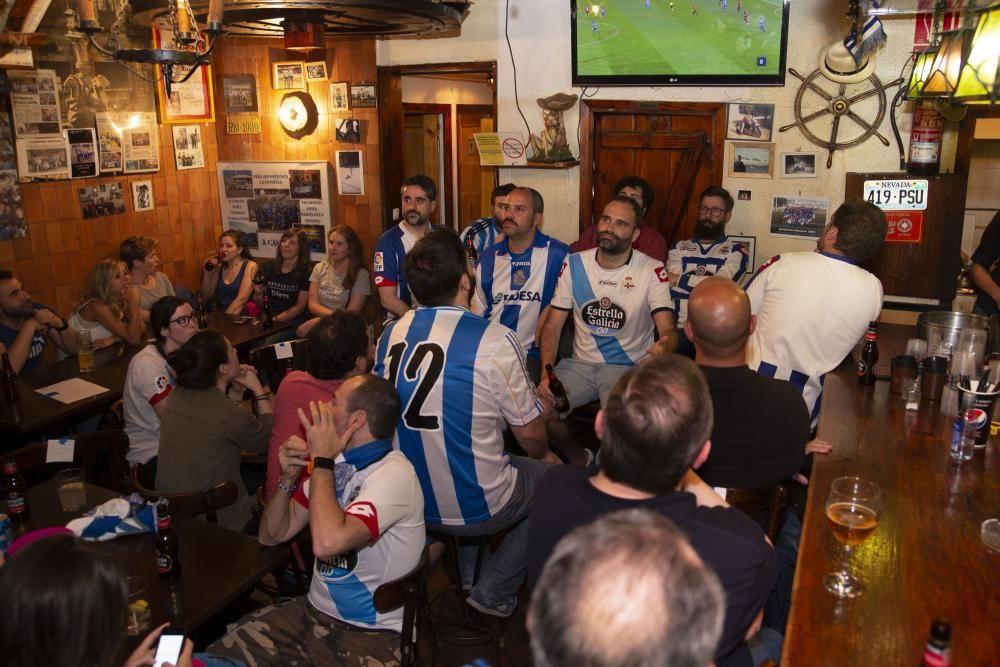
[202, 431]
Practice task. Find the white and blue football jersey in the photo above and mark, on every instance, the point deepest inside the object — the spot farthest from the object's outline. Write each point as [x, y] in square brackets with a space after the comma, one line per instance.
[386, 498]
[484, 233]
[694, 260]
[460, 378]
[514, 289]
[389, 254]
[812, 309]
[612, 310]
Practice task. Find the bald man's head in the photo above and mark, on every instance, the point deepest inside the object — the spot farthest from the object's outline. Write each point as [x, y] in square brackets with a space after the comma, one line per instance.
[719, 316]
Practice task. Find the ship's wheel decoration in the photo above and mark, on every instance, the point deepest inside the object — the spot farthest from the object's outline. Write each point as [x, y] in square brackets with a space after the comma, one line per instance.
[824, 107]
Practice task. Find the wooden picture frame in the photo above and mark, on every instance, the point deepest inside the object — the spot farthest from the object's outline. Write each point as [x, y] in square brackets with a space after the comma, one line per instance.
[799, 165]
[340, 96]
[240, 93]
[288, 75]
[750, 160]
[191, 101]
[750, 243]
[363, 96]
[316, 71]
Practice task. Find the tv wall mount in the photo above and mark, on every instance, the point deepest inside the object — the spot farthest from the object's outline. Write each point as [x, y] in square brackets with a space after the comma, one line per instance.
[835, 101]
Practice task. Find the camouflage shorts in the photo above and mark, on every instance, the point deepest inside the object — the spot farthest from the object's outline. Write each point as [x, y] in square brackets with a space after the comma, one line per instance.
[294, 633]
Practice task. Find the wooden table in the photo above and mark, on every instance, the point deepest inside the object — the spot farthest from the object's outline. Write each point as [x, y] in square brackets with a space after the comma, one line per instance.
[217, 565]
[34, 411]
[924, 560]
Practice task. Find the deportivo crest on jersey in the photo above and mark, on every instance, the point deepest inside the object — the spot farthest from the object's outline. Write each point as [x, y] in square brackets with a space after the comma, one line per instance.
[162, 382]
[628, 283]
[520, 278]
[603, 316]
[662, 275]
[379, 263]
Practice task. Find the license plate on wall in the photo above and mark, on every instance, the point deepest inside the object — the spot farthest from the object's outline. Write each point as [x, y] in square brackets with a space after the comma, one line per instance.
[901, 195]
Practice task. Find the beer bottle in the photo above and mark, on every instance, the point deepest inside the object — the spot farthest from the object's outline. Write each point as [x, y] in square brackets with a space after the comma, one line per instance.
[199, 313]
[15, 492]
[8, 377]
[561, 403]
[937, 651]
[470, 249]
[167, 547]
[869, 356]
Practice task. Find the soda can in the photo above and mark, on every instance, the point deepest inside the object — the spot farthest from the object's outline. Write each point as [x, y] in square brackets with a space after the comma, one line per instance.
[6, 534]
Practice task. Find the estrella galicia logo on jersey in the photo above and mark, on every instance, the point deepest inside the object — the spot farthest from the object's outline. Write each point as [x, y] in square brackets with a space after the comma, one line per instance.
[379, 264]
[662, 275]
[603, 317]
[337, 567]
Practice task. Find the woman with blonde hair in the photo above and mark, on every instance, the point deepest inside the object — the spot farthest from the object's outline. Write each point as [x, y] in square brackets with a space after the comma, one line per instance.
[110, 308]
[228, 277]
[340, 282]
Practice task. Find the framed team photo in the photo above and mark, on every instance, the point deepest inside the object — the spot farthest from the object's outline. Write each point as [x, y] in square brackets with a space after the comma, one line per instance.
[750, 243]
[240, 93]
[798, 165]
[748, 160]
[750, 122]
[316, 71]
[289, 75]
[363, 96]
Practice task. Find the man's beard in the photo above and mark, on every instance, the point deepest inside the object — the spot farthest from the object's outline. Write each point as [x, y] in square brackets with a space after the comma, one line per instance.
[420, 219]
[612, 244]
[708, 230]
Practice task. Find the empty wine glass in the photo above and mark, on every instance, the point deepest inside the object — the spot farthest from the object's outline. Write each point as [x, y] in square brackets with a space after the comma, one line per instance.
[853, 508]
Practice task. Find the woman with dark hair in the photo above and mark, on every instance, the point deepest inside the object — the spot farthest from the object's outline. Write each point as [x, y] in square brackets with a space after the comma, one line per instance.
[65, 604]
[149, 380]
[110, 308]
[203, 431]
[340, 282]
[286, 278]
[230, 279]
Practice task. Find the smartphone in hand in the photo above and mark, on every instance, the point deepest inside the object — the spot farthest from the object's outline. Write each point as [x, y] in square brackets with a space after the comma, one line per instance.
[169, 648]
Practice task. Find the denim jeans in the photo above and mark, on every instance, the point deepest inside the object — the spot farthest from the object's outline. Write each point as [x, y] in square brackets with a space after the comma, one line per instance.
[503, 572]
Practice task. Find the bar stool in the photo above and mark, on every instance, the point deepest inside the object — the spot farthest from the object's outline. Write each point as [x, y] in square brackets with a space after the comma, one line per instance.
[467, 627]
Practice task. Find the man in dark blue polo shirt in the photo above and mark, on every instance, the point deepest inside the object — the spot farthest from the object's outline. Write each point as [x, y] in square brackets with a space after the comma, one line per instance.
[26, 326]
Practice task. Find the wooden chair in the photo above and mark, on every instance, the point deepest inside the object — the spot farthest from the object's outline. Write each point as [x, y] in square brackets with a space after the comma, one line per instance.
[194, 503]
[101, 454]
[406, 592]
[770, 499]
[273, 370]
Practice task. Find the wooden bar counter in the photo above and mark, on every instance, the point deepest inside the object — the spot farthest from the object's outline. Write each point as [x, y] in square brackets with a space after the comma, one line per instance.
[925, 559]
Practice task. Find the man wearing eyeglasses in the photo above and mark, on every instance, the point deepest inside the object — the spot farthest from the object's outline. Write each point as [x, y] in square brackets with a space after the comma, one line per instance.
[708, 253]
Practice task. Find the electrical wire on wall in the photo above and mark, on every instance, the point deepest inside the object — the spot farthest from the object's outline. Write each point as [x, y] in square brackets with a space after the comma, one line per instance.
[506, 34]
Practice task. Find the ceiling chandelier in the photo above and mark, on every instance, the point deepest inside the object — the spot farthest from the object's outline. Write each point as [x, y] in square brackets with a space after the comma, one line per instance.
[198, 25]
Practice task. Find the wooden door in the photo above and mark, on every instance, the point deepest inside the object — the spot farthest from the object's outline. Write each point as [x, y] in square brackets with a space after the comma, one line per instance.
[475, 182]
[427, 150]
[679, 148]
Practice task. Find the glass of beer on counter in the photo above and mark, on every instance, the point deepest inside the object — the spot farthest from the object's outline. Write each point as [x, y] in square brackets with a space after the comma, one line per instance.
[853, 508]
[85, 351]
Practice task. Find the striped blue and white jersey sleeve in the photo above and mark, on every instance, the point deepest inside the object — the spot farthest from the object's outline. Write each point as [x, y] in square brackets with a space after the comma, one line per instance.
[460, 379]
[612, 310]
[694, 261]
[514, 289]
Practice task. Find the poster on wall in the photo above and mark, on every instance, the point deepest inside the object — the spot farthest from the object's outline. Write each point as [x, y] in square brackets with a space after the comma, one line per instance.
[265, 199]
[98, 201]
[128, 142]
[12, 225]
[798, 217]
[42, 157]
[82, 153]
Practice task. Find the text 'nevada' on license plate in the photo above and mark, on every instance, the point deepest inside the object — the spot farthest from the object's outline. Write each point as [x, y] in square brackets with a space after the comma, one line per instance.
[901, 195]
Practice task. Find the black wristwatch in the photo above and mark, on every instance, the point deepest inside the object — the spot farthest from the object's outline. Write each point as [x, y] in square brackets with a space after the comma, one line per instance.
[65, 325]
[323, 462]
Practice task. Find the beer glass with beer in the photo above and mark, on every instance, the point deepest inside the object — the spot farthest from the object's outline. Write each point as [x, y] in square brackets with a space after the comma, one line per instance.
[853, 508]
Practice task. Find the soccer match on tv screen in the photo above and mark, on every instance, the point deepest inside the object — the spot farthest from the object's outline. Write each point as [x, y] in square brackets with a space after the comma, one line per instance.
[710, 41]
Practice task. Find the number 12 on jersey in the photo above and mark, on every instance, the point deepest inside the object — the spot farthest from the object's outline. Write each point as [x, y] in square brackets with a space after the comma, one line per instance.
[424, 366]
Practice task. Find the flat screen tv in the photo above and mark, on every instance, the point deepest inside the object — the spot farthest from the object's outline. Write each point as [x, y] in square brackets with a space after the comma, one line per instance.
[679, 43]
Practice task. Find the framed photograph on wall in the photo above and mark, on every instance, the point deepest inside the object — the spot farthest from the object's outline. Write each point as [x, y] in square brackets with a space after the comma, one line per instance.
[750, 122]
[240, 93]
[750, 243]
[350, 173]
[749, 160]
[348, 130]
[188, 152]
[340, 96]
[190, 101]
[798, 165]
[142, 196]
[288, 75]
[316, 71]
[363, 96]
